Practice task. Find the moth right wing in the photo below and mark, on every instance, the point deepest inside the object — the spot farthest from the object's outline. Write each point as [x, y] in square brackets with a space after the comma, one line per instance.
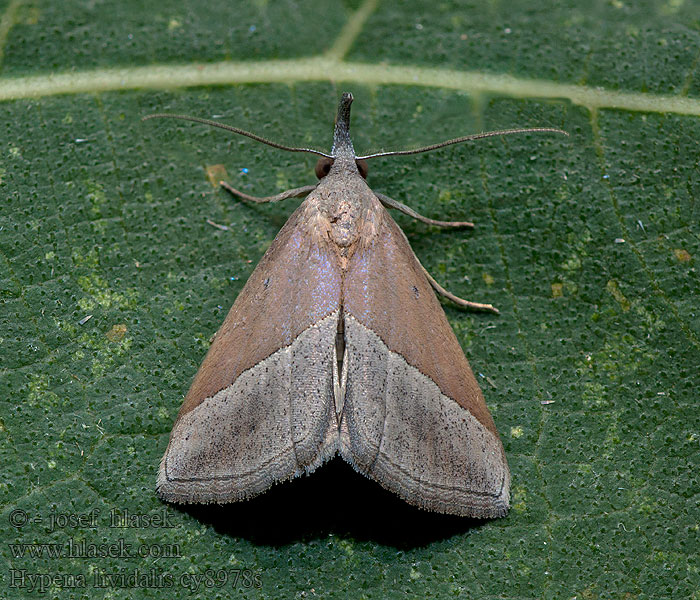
[261, 408]
[414, 418]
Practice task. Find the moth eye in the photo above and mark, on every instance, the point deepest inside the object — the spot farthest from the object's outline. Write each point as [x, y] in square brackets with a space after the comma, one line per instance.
[362, 168]
[323, 166]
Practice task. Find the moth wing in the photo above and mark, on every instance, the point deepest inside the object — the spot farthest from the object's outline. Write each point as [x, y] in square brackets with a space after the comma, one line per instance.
[260, 406]
[414, 418]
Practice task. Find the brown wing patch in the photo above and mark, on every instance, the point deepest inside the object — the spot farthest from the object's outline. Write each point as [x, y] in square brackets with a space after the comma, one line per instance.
[386, 291]
[295, 285]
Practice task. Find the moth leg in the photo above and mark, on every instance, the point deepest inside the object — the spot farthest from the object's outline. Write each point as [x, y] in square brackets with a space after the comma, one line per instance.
[391, 203]
[293, 193]
[476, 306]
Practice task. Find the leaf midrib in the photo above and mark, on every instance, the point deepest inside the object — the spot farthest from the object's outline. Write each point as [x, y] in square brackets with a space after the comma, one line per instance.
[325, 68]
[329, 66]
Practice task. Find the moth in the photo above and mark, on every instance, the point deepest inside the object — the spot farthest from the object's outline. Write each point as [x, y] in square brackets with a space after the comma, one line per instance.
[337, 345]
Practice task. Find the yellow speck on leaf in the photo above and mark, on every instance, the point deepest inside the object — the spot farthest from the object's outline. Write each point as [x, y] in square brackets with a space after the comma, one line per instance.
[614, 290]
[31, 16]
[682, 255]
[117, 333]
[215, 173]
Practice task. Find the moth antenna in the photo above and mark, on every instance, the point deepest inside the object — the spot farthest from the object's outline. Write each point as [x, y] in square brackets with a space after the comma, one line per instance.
[252, 136]
[466, 138]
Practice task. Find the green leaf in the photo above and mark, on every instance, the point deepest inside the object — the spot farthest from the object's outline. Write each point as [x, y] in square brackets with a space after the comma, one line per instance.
[588, 246]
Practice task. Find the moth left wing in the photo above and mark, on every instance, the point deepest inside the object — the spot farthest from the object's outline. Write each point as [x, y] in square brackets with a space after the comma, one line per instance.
[414, 418]
[260, 409]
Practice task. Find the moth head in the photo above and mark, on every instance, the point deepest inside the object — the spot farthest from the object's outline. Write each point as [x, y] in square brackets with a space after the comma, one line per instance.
[323, 167]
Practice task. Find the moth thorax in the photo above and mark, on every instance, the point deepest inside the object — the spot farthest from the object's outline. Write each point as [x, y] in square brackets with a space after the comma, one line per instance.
[345, 218]
[344, 165]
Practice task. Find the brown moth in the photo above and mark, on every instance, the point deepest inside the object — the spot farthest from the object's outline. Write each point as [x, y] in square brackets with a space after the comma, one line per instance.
[337, 344]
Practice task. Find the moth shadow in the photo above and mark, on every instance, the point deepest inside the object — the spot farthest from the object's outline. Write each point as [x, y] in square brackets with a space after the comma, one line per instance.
[333, 500]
